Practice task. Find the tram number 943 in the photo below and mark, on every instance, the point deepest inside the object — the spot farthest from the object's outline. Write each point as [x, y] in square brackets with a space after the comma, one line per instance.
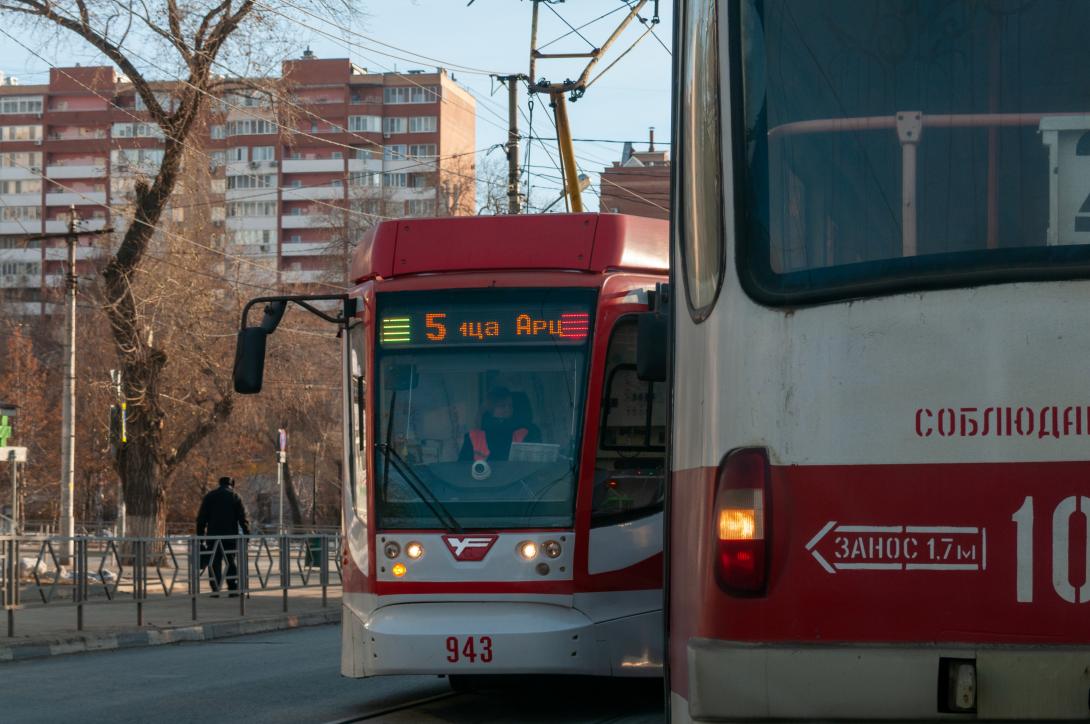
[471, 649]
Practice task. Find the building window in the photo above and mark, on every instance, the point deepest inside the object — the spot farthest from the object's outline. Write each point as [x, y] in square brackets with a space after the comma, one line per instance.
[238, 153]
[20, 213]
[363, 154]
[21, 187]
[393, 124]
[422, 151]
[143, 159]
[263, 153]
[251, 208]
[263, 237]
[252, 181]
[422, 124]
[22, 159]
[367, 178]
[217, 158]
[21, 104]
[336, 155]
[395, 180]
[418, 180]
[366, 124]
[218, 185]
[395, 152]
[217, 132]
[250, 127]
[20, 133]
[414, 94]
[420, 207]
[136, 130]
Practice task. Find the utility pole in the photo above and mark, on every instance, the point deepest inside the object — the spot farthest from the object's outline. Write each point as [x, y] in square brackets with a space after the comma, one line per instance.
[68, 432]
[119, 436]
[68, 424]
[513, 200]
[281, 458]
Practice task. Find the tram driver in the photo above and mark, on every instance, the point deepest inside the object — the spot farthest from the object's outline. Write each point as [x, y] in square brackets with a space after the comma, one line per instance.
[506, 419]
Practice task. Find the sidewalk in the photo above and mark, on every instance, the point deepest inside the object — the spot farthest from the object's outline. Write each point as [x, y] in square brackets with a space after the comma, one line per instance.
[50, 630]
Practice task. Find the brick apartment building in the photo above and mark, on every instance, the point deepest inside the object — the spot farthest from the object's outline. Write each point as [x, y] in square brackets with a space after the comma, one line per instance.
[374, 143]
[639, 183]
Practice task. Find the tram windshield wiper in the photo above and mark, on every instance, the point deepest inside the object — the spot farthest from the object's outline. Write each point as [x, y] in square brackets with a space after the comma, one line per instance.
[440, 511]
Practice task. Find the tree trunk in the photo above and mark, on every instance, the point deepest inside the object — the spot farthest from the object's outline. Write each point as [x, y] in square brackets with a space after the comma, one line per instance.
[293, 498]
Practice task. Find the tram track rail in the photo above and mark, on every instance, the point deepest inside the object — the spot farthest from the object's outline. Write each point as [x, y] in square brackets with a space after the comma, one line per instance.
[395, 708]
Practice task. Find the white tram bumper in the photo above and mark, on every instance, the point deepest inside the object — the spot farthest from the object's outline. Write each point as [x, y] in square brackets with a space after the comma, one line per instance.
[731, 681]
[523, 637]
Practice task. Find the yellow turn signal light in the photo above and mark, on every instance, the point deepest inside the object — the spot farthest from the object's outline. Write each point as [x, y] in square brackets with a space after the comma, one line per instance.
[399, 570]
[737, 524]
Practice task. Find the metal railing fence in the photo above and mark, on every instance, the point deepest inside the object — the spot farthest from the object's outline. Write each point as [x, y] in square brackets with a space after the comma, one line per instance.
[140, 571]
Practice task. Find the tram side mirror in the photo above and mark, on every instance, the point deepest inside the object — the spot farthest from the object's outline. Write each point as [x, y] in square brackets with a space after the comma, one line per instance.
[405, 377]
[652, 347]
[274, 312]
[250, 360]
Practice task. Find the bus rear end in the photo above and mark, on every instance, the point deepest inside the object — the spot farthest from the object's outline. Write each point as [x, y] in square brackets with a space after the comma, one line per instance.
[878, 502]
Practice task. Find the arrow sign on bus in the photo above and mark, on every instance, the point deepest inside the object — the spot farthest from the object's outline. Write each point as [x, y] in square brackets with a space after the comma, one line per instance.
[840, 547]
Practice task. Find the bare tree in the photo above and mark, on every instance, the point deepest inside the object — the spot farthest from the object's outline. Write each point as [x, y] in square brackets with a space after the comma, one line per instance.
[189, 36]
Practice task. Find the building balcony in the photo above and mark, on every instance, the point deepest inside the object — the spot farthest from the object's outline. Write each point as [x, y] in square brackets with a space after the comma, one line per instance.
[31, 199]
[356, 165]
[59, 226]
[245, 168]
[241, 223]
[60, 253]
[410, 165]
[308, 276]
[305, 248]
[21, 227]
[19, 172]
[250, 195]
[28, 309]
[308, 221]
[67, 198]
[326, 165]
[309, 193]
[407, 194]
[22, 256]
[65, 172]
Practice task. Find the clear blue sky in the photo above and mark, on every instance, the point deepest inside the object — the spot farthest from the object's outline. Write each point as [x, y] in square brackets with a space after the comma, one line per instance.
[492, 35]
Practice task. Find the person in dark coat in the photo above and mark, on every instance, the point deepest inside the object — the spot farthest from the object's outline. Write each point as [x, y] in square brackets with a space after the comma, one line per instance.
[222, 515]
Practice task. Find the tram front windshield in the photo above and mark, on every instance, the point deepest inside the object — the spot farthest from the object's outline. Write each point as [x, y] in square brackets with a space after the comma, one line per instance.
[479, 407]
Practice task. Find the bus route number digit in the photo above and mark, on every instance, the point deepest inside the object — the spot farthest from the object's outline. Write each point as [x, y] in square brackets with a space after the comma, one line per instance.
[472, 649]
[436, 330]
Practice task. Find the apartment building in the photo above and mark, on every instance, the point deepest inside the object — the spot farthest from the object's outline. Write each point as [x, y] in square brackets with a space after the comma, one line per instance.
[639, 183]
[293, 174]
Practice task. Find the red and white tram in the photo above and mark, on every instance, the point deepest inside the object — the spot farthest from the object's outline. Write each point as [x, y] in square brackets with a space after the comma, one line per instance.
[504, 464]
[880, 469]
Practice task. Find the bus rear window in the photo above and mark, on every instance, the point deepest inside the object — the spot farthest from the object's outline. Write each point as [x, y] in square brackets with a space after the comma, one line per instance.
[891, 145]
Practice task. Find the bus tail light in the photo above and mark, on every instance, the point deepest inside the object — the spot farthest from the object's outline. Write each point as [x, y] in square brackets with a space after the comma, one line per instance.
[741, 522]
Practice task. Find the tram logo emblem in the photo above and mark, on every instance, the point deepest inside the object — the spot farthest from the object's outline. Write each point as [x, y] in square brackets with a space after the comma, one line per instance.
[469, 547]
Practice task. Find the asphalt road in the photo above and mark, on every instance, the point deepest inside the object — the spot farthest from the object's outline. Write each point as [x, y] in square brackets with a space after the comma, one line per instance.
[288, 676]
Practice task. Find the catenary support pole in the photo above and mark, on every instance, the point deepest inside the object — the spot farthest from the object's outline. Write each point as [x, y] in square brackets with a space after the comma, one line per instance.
[68, 434]
[567, 152]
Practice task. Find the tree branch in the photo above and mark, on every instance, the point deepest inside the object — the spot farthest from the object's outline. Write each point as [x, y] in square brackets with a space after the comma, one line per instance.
[220, 411]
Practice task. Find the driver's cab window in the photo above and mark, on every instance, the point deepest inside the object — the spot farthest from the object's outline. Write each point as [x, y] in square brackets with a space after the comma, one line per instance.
[629, 470]
[357, 356]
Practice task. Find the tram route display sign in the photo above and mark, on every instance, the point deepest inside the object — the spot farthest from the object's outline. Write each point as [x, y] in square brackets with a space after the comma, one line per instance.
[476, 325]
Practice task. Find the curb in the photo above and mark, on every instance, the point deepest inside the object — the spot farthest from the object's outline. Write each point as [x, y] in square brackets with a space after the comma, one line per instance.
[34, 649]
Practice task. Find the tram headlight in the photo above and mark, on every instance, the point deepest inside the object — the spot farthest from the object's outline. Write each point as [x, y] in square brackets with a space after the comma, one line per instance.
[528, 550]
[399, 570]
[414, 550]
[392, 549]
[551, 548]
